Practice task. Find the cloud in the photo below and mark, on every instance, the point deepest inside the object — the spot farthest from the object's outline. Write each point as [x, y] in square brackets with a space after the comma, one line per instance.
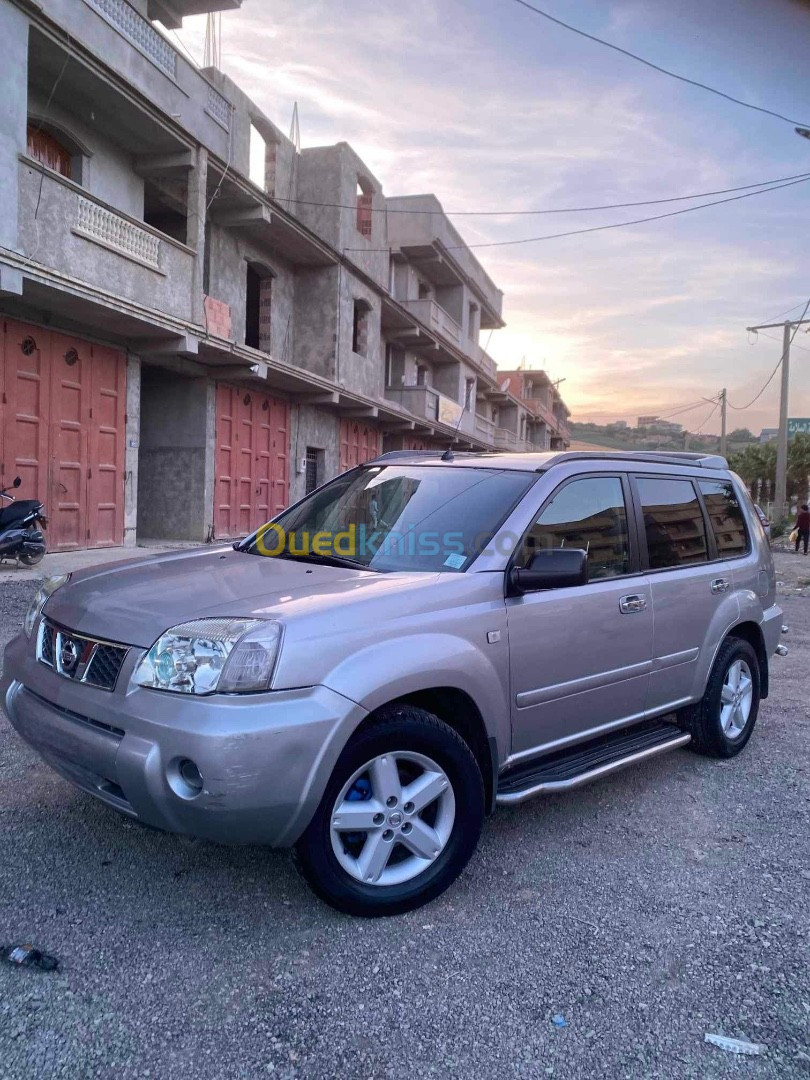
[492, 108]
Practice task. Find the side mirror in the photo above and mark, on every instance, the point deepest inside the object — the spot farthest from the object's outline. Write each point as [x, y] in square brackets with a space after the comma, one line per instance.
[17, 482]
[558, 568]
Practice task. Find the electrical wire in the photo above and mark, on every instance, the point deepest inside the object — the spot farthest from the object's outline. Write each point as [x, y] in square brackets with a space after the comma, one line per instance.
[706, 419]
[603, 228]
[769, 380]
[684, 409]
[776, 339]
[657, 67]
[552, 210]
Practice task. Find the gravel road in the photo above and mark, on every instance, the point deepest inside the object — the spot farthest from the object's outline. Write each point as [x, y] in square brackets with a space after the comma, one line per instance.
[647, 910]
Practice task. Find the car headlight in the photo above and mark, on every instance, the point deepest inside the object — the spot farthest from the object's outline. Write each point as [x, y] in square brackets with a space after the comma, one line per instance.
[48, 586]
[207, 656]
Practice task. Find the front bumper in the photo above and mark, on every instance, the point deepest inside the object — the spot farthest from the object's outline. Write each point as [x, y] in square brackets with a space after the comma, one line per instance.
[265, 759]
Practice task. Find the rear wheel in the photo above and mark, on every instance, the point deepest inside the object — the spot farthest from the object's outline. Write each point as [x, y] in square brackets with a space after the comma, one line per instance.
[32, 560]
[723, 721]
[399, 819]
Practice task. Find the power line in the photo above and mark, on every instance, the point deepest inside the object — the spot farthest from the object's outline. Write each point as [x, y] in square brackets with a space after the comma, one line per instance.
[772, 338]
[657, 67]
[769, 380]
[682, 409]
[706, 419]
[552, 210]
[603, 228]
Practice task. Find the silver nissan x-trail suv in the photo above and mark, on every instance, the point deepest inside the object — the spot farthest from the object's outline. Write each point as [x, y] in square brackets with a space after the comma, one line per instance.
[421, 639]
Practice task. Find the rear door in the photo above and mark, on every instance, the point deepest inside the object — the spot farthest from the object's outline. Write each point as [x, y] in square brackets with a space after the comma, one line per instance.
[687, 582]
[580, 658]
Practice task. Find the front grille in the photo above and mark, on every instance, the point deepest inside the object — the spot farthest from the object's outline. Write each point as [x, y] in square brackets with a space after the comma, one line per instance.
[79, 658]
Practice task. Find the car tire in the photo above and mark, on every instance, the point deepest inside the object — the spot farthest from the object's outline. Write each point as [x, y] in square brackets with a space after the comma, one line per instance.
[722, 722]
[412, 850]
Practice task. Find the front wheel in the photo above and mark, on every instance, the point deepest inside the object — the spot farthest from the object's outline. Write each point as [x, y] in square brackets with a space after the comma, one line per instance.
[399, 819]
[722, 722]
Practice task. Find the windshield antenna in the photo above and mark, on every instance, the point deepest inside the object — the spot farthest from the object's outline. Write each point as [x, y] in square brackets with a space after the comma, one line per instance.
[448, 455]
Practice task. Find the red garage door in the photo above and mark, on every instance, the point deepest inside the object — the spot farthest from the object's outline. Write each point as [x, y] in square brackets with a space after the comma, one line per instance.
[358, 443]
[253, 460]
[62, 428]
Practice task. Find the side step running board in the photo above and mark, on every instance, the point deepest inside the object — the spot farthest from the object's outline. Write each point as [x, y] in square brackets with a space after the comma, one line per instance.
[567, 769]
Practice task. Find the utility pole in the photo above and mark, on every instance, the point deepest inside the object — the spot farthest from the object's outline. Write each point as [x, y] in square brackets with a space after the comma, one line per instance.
[780, 494]
[723, 404]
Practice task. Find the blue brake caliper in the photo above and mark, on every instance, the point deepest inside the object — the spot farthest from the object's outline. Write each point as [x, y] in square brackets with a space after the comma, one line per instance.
[360, 791]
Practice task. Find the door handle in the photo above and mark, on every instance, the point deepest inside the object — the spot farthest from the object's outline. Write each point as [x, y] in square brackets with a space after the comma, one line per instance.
[720, 584]
[630, 604]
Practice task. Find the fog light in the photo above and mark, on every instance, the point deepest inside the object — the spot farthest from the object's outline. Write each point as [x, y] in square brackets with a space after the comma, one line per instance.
[185, 779]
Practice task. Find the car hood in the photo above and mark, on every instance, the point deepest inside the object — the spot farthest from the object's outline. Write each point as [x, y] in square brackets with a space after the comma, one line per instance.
[135, 601]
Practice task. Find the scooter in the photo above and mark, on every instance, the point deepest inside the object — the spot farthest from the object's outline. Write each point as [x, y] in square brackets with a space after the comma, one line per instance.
[20, 537]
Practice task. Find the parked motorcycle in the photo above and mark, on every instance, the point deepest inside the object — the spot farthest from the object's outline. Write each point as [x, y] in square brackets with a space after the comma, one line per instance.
[20, 536]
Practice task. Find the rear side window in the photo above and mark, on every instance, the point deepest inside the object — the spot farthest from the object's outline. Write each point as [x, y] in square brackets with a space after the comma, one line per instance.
[673, 522]
[725, 517]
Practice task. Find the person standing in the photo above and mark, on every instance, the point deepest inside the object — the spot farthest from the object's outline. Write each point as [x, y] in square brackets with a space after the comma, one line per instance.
[803, 527]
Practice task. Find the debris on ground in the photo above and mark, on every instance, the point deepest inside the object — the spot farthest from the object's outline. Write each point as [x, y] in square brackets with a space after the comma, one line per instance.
[558, 1020]
[735, 1046]
[28, 956]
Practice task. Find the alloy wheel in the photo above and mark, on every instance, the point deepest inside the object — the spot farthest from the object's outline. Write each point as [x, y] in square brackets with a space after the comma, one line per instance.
[392, 818]
[736, 699]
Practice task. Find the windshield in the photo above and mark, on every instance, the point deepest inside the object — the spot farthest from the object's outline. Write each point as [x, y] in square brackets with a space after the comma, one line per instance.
[396, 517]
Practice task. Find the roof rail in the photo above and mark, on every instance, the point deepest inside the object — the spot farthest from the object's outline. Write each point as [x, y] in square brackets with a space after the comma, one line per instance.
[398, 455]
[672, 457]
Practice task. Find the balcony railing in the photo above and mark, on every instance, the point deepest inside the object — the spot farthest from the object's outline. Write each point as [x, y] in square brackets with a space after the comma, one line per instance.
[505, 439]
[114, 231]
[140, 32]
[484, 428]
[435, 318]
[92, 242]
[419, 400]
[427, 402]
[483, 359]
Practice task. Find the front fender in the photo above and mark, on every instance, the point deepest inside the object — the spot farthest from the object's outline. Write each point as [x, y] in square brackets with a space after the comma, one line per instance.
[388, 670]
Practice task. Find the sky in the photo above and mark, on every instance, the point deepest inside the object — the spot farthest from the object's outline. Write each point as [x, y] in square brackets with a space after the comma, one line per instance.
[491, 107]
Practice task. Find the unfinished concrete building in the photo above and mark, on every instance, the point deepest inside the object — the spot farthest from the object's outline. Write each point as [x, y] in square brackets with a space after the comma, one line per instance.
[188, 346]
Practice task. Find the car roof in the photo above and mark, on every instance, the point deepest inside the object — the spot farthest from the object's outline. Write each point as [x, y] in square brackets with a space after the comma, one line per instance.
[543, 461]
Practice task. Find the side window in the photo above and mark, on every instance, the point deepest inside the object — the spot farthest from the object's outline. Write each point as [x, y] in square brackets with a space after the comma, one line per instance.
[590, 514]
[725, 517]
[673, 522]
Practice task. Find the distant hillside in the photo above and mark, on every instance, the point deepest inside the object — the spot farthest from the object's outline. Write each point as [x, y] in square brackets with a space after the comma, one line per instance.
[611, 437]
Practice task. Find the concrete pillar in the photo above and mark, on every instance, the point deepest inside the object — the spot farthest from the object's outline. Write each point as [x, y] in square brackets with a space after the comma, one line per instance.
[13, 119]
[195, 237]
[210, 474]
[133, 434]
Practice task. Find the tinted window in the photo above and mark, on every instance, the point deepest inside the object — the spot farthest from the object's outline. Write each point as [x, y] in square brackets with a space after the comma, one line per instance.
[673, 522]
[725, 517]
[588, 514]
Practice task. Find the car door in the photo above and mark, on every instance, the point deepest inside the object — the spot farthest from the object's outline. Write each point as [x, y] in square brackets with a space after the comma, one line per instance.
[688, 584]
[580, 657]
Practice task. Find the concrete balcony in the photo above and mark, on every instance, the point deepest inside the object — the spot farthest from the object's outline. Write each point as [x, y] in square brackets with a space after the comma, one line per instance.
[89, 241]
[427, 403]
[507, 440]
[483, 360]
[130, 49]
[420, 401]
[485, 429]
[172, 12]
[435, 318]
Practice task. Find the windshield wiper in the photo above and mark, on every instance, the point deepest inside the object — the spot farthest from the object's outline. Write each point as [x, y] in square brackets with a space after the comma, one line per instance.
[325, 560]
